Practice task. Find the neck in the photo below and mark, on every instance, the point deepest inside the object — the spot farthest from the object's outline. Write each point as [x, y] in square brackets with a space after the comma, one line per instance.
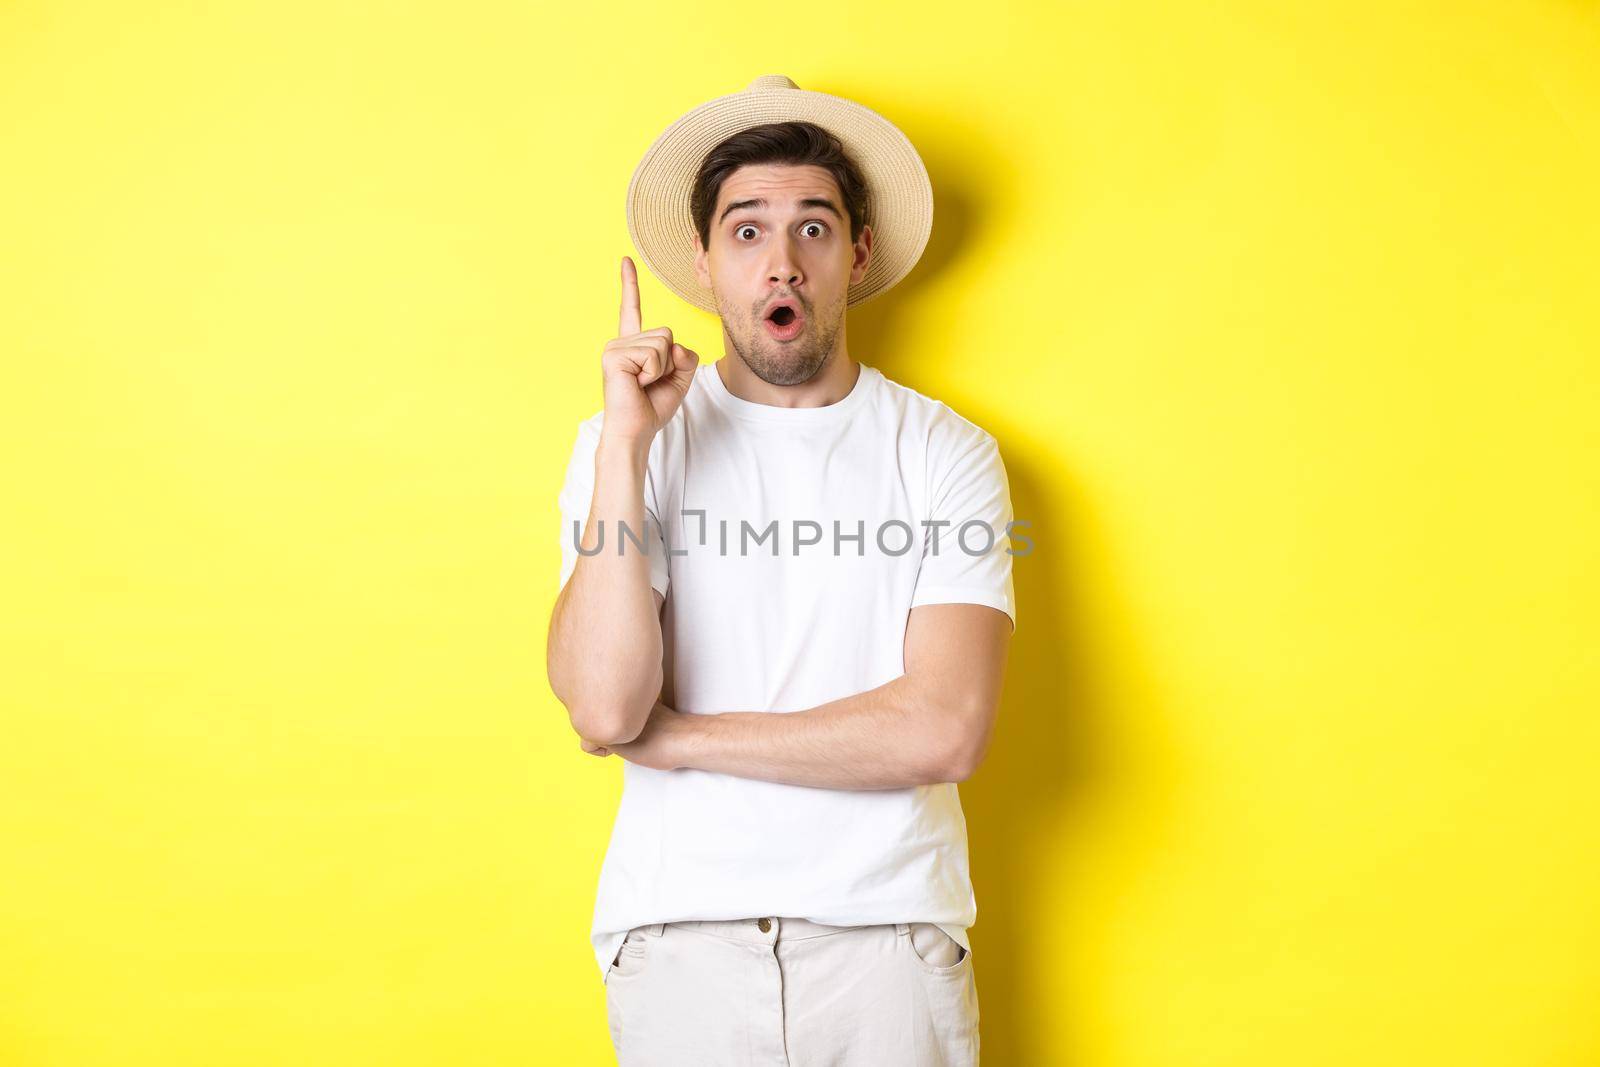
[829, 385]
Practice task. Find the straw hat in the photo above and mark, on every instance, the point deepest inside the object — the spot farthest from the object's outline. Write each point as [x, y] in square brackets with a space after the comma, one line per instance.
[899, 196]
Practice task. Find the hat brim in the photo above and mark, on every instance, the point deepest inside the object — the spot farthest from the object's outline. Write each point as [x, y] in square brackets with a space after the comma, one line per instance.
[899, 204]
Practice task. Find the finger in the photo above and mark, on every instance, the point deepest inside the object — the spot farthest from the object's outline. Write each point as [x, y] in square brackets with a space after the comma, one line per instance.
[661, 349]
[650, 369]
[628, 321]
[685, 361]
[628, 359]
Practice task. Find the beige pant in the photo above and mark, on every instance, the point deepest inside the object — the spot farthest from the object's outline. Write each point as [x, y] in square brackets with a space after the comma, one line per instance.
[795, 994]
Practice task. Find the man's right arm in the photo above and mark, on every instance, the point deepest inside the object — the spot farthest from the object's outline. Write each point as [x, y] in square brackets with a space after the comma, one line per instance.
[603, 654]
[604, 650]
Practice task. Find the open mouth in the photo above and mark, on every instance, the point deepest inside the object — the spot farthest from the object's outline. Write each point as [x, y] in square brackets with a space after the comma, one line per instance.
[784, 323]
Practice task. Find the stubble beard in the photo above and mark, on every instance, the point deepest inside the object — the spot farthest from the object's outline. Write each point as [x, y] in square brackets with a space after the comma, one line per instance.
[788, 362]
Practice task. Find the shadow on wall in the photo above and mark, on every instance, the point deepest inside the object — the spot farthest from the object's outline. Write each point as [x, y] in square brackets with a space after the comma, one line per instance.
[1058, 771]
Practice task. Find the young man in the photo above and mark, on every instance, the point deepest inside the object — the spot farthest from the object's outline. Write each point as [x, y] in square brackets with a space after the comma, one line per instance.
[797, 643]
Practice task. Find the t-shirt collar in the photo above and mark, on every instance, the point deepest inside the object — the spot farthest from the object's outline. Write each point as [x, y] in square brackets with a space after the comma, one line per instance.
[866, 378]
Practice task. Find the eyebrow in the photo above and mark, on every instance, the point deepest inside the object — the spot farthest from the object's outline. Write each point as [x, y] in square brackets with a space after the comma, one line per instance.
[810, 201]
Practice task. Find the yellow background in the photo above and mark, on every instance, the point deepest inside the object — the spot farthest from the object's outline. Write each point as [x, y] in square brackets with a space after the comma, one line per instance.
[1285, 317]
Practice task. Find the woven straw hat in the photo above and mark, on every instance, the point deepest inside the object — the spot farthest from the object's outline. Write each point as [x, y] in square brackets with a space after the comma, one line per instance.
[899, 196]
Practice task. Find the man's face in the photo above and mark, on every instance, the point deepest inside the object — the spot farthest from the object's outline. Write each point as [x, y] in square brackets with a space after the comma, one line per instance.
[779, 234]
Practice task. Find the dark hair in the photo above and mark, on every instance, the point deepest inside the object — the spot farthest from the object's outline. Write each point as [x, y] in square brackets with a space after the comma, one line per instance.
[796, 143]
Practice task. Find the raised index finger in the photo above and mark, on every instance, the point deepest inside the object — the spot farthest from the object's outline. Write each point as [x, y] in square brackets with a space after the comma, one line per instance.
[628, 323]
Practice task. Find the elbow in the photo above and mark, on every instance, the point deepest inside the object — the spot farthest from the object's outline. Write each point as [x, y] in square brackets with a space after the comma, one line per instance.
[608, 728]
[613, 718]
[959, 768]
[966, 744]
[604, 706]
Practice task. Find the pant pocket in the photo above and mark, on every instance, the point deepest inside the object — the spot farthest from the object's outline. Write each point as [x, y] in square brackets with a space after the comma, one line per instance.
[934, 949]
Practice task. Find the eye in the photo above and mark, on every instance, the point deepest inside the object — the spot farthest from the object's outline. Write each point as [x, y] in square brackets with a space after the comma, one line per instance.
[821, 227]
[740, 229]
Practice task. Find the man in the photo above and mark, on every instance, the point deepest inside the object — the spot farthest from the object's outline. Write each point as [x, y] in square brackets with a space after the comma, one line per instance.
[786, 604]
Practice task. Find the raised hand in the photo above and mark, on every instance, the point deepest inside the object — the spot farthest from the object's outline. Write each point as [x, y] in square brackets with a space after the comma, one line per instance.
[646, 373]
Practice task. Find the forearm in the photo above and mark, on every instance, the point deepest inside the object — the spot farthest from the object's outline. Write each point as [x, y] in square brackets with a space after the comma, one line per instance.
[604, 649]
[890, 737]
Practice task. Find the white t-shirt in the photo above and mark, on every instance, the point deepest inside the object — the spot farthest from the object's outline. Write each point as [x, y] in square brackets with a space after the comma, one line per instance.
[763, 614]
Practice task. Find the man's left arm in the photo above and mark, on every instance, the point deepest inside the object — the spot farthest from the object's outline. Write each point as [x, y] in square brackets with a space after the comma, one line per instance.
[931, 724]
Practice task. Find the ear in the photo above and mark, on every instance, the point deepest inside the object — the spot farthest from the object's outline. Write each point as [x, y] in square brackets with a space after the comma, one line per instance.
[863, 254]
[702, 265]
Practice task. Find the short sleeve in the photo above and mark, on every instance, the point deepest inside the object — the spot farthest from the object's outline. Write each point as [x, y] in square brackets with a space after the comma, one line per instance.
[577, 492]
[965, 557]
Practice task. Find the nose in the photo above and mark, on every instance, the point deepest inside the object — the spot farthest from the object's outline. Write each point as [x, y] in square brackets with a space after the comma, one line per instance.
[785, 266]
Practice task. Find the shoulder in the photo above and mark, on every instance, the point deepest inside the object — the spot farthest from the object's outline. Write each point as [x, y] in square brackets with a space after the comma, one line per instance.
[948, 431]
